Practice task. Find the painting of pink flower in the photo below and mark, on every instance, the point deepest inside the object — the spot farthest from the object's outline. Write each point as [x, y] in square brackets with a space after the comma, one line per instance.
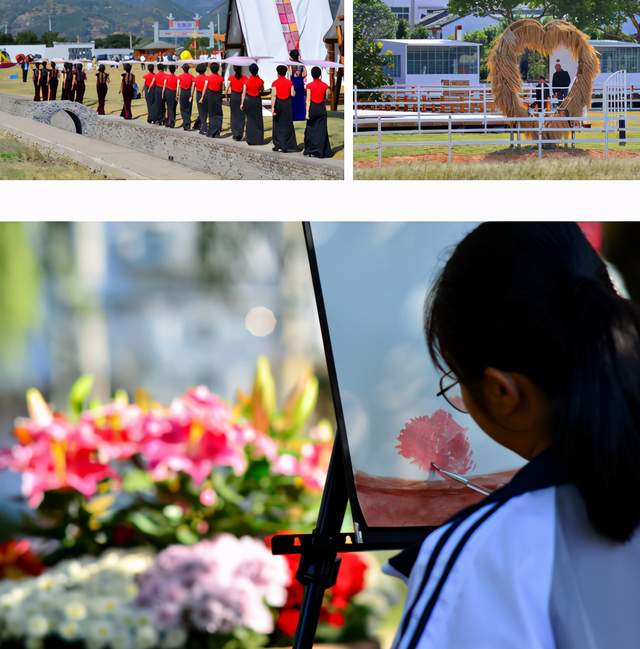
[438, 438]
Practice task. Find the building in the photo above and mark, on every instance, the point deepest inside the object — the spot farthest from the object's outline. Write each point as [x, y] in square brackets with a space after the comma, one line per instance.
[614, 56]
[65, 51]
[413, 11]
[113, 53]
[430, 62]
[155, 51]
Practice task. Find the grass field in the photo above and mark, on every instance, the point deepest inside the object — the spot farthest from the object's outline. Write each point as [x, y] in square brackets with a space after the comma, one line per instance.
[114, 104]
[406, 156]
[19, 161]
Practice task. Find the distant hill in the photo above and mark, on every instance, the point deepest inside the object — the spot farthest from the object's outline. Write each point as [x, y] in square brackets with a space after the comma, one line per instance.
[89, 19]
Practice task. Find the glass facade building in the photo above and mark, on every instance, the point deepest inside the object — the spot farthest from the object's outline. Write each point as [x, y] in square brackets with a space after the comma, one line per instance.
[442, 60]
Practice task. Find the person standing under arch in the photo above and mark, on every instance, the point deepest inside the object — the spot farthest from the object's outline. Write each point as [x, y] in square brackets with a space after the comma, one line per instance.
[126, 90]
[235, 88]
[102, 86]
[316, 134]
[186, 81]
[251, 105]
[284, 135]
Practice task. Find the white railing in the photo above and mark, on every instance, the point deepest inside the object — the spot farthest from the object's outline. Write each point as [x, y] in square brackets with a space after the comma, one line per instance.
[419, 101]
[537, 131]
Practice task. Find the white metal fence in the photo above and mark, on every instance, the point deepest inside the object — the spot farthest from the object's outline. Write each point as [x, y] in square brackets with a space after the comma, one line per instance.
[538, 132]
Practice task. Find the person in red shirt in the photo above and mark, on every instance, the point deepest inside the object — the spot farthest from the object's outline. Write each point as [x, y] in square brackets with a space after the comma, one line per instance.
[126, 90]
[215, 83]
[201, 84]
[149, 93]
[284, 135]
[169, 94]
[251, 105]
[235, 88]
[161, 108]
[316, 134]
[185, 82]
[102, 86]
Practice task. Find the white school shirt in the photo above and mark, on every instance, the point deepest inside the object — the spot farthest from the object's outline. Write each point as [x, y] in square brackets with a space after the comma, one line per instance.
[523, 570]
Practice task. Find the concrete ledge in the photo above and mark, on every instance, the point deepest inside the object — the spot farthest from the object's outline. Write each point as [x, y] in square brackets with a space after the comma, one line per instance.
[221, 157]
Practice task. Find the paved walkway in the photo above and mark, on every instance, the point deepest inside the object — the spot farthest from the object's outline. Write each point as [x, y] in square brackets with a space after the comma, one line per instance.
[103, 157]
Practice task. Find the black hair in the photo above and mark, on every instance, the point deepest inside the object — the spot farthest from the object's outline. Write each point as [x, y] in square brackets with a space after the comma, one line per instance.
[316, 72]
[172, 69]
[214, 67]
[185, 67]
[127, 67]
[535, 298]
[294, 55]
[101, 68]
[237, 69]
[150, 67]
[201, 68]
[281, 70]
[161, 67]
[254, 69]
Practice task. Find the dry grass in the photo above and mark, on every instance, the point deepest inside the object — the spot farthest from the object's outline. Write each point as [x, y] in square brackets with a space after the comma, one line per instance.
[579, 169]
[139, 107]
[19, 161]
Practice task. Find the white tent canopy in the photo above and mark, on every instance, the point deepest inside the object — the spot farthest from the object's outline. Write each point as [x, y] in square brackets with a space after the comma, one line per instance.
[256, 25]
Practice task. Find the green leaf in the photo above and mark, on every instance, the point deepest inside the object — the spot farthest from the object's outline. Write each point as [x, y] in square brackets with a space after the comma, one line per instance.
[148, 526]
[137, 480]
[79, 393]
[173, 513]
[186, 536]
[265, 385]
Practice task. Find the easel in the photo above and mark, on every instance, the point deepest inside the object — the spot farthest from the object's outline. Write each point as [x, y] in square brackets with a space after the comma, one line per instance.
[319, 562]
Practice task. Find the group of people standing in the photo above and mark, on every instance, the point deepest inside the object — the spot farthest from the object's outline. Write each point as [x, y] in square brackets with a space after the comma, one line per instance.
[47, 78]
[546, 95]
[166, 92]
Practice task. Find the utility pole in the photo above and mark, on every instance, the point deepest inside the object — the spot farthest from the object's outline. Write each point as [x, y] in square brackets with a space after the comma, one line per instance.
[130, 41]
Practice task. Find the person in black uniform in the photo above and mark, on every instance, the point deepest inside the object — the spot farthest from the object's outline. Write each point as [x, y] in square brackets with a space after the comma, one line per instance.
[316, 135]
[36, 81]
[43, 80]
[25, 70]
[284, 134]
[560, 82]
[251, 105]
[161, 106]
[54, 76]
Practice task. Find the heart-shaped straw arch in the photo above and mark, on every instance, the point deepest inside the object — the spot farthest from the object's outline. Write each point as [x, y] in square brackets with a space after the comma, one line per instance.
[528, 34]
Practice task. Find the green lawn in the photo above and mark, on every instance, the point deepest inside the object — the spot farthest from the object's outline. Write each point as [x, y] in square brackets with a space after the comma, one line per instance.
[564, 169]
[406, 156]
[19, 161]
[139, 107]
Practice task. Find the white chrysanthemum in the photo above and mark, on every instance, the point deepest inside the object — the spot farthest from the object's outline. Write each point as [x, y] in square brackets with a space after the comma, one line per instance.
[75, 610]
[146, 637]
[174, 639]
[46, 582]
[143, 619]
[37, 626]
[122, 640]
[69, 630]
[100, 633]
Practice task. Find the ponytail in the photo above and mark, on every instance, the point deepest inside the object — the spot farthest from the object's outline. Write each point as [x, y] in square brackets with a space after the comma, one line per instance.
[535, 298]
[238, 71]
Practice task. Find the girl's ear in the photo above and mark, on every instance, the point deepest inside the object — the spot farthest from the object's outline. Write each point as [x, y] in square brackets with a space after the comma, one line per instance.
[501, 392]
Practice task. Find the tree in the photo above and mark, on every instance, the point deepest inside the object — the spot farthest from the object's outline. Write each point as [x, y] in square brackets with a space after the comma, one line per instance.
[487, 38]
[403, 29]
[369, 61]
[419, 31]
[6, 39]
[117, 40]
[629, 10]
[507, 9]
[27, 38]
[49, 37]
[374, 19]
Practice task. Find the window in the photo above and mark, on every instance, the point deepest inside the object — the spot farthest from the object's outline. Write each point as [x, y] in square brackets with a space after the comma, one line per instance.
[401, 12]
[394, 71]
[80, 53]
[442, 60]
[613, 59]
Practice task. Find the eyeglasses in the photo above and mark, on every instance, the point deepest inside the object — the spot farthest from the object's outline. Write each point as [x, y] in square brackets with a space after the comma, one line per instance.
[450, 390]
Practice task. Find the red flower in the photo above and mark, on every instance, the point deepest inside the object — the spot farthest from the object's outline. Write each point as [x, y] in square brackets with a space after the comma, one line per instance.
[17, 560]
[288, 621]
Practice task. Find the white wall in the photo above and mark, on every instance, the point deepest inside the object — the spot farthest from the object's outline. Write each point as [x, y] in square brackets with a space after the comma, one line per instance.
[58, 51]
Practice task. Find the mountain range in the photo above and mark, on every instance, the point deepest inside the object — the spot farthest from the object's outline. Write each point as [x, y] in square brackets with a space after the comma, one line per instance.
[89, 19]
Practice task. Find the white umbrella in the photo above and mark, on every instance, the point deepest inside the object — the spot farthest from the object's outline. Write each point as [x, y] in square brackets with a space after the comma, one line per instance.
[244, 60]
